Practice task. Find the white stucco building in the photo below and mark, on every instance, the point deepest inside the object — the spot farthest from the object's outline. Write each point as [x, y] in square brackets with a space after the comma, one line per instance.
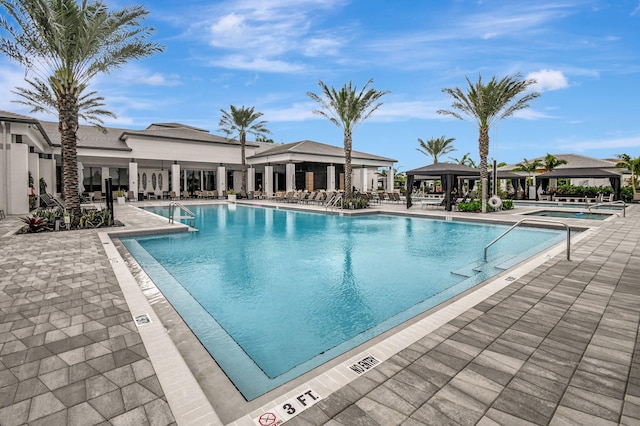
[167, 157]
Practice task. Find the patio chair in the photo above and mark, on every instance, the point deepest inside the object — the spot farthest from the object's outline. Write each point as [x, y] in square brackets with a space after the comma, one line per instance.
[132, 196]
[50, 202]
[97, 196]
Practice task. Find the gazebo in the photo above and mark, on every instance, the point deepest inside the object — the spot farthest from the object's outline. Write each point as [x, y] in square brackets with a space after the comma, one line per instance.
[615, 177]
[448, 173]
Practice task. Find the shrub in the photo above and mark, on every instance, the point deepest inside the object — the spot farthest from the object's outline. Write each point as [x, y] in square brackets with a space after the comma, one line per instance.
[507, 204]
[472, 206]
[35, 224]
[627, 194]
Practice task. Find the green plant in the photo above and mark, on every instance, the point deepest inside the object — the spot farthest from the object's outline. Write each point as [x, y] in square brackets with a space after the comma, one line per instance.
[95, 218]
[356, 203]
[626, 192]
[472, 206]
[35, 224]
[507, 204]
[120, 193]
[231, 192]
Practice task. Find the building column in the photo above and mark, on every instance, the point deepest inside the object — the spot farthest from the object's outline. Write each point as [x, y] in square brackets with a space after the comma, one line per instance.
[331, 178]
[267, 190]
[105, 175]
[133, 178]
[390, 179]
[291, 176]
[222, 180]
[18, 184]
[175, 179]
[365, 179]
[251, 179]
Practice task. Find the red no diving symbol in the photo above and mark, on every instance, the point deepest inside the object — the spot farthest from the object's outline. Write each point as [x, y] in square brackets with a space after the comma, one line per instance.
[267, 419]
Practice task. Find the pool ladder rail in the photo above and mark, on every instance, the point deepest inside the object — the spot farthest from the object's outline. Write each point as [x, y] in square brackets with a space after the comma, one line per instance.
[183, 213]
[521, 221]
[624, 206]
[333, 202]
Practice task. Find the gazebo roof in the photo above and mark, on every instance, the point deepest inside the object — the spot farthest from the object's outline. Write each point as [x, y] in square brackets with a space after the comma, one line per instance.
[443, 169]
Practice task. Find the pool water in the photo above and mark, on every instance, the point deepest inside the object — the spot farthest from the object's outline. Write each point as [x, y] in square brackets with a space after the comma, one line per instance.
[570, 215]
[274, 293]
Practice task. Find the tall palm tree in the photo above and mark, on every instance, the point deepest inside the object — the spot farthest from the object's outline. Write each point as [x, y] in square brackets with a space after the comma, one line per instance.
[240, 121]
[465, 160]
[486, 104]
[63, 44]
[436, 147]
[347, 108]
[550, 162]
[631, 164]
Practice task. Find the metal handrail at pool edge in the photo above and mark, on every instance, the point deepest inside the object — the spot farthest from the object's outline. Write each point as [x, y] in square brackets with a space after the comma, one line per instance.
[518, 223]
[624, 206]
[172, 207]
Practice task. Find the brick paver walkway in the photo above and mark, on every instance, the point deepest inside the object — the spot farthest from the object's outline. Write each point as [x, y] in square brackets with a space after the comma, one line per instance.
[558, 346]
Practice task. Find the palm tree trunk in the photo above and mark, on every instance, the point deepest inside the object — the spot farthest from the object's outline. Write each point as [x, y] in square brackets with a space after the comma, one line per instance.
[243, 185]
[483, 145]
[347, 165]
[68, 127]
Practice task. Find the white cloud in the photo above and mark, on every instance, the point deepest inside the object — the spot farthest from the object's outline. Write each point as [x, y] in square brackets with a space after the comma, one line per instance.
[135, 74]
[243, 62]
[269, 30]
[547, 80]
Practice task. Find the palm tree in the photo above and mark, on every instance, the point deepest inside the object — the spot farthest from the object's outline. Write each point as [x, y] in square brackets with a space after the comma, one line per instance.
[530, 167]
[436, 147]
[465, 160]
[241, 121]
[550, 162]
[63, 44]
[347, 108]
[485, 104]
[631, 164]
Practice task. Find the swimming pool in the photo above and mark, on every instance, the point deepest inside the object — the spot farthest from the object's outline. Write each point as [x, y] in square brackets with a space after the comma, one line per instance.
[554, 204]
[570, 215]
[272, 294]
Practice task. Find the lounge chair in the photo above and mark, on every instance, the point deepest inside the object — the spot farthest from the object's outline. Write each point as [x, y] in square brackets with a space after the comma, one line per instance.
[431, 202]
[50, 202]
[132, 196]
[97, 196]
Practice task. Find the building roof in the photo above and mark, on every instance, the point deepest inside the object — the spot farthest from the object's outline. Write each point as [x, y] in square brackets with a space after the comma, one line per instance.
[574, 161]
[11, 116]
[90, 137]
[316, 148]
[186, 133]
[156, 126]
[592, 172]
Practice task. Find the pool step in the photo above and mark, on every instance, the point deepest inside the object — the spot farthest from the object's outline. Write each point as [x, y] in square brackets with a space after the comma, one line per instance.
[480, 267]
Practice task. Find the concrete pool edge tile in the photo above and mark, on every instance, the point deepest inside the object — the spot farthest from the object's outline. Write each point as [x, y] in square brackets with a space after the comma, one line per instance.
[187, 401]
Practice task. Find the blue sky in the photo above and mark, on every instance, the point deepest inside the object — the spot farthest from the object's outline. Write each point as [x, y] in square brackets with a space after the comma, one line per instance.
[585, 55]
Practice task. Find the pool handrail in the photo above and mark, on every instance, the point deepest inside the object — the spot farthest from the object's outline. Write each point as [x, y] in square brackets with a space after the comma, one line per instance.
[518, 223]
[333, 201]
[624, 206]
[190, 215]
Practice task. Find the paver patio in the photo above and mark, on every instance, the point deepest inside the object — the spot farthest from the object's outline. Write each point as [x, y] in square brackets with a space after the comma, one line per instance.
[557, 346]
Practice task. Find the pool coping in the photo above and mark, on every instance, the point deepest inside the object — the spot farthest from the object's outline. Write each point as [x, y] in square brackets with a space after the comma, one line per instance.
[186, 396]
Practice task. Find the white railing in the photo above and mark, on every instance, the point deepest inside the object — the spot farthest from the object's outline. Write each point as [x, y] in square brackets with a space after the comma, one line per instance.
[557, 222]
[188, 214]
[624, 206]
